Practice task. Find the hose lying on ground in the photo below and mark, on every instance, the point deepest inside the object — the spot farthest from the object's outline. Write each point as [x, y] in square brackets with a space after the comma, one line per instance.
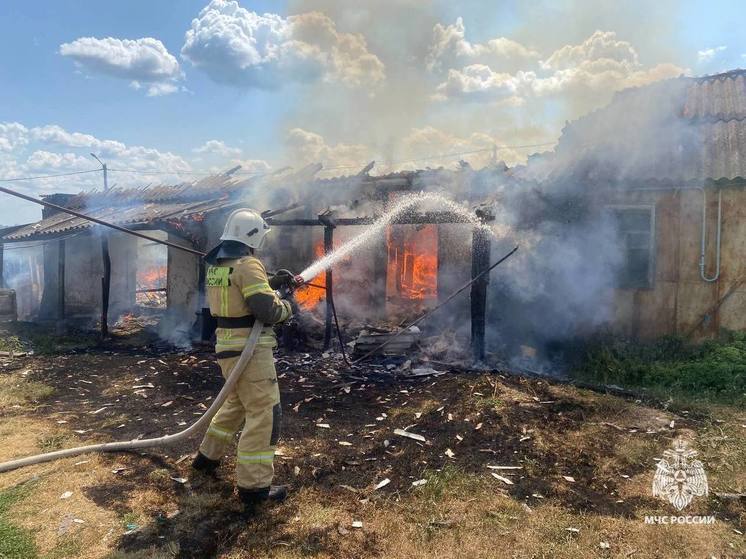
[201, 423]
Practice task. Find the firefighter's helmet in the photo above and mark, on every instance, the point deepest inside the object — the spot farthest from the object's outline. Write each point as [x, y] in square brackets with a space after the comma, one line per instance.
[246, 226]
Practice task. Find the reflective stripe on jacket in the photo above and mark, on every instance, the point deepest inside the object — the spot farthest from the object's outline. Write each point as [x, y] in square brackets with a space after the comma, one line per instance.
[239, 287]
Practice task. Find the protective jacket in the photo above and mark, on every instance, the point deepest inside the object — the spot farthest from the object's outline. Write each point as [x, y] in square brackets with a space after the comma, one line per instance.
[239, 293]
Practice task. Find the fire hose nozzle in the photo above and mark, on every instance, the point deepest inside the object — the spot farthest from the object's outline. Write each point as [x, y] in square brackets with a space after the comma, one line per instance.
[292, 284]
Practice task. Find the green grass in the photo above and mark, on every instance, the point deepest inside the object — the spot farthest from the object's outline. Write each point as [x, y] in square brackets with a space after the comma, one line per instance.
[43, 339]
[50, 443]
[10, 343]
[449, 480]
[15, 542]
[713, 371]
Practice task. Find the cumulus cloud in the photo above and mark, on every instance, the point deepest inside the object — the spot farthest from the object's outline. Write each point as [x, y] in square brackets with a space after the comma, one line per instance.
[602, 64]
[50, 161]
[142, 61]
[217, 147]
[306, 147]
[707, 55]
[12, 135]
[479, 82]
[449, 48]
[51, 148]
[601, 46]
[239, 47]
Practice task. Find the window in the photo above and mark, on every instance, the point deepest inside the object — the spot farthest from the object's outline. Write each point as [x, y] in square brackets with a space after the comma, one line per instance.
[636, 230]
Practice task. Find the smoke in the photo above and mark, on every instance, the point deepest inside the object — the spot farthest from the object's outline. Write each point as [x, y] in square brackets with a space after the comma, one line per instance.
[23, 271]
[451, 85]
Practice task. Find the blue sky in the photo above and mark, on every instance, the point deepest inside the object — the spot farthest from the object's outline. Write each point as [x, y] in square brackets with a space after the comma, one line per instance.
[328, 80]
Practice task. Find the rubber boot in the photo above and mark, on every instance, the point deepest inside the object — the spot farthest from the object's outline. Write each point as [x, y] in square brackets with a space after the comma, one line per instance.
[205, 465]
[253, 500]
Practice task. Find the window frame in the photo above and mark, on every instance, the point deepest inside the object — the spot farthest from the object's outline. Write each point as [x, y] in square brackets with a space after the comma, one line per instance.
[652, 245]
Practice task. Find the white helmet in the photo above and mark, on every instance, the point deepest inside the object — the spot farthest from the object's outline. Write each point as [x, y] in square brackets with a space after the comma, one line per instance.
[247, 227]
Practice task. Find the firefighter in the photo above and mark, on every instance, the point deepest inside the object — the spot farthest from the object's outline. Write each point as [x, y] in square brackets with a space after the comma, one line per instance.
[239, 292]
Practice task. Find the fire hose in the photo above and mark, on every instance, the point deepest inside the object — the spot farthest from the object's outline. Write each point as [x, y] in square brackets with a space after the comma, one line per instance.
[197, 426]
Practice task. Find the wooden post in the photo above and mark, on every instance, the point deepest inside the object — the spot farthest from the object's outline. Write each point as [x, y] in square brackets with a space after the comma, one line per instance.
[2, 259]
[106, 280]
[480, 261]
[329, 324]
[105, 285]
[61, 280]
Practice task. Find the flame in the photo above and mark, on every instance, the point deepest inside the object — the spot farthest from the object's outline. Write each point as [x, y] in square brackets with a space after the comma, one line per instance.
[412, 271]
[309, 296]
[152, 278]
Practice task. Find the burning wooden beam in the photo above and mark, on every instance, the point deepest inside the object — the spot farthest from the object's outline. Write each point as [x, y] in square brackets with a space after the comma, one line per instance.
[105, 284]
[408, 219]
[480, 261]
[329, 223]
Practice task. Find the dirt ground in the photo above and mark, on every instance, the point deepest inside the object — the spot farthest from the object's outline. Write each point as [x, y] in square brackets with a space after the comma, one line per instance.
[581, 484]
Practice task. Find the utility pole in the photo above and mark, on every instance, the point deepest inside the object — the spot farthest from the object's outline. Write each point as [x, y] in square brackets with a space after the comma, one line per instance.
[106, 279]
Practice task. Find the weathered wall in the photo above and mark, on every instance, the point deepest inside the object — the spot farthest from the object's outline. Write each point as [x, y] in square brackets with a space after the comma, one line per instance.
[83, 272]
[181, 286]
[680, 302]
[123, 255]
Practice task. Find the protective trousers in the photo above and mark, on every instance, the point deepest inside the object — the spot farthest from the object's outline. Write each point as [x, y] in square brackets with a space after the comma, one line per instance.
[255, 402]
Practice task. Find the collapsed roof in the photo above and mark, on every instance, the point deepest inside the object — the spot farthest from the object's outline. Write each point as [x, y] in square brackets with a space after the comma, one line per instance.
[151, 207]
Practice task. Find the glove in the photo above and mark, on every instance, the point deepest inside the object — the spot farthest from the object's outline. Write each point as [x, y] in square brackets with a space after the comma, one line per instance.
[282, 278]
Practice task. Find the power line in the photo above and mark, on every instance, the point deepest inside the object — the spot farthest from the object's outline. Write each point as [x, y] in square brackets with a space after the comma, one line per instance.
[446, 155]
[50, 176]
[141, 172]
[195, 173]
[208, 174]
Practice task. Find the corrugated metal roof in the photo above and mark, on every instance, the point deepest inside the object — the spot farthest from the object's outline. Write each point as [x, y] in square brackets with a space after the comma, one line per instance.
[719, 97]
[137, 216]
[145, 207]
[137, 207]
[685, 130]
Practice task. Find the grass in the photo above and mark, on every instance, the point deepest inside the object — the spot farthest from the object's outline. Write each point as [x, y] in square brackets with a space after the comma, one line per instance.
[15, 542]
[15, 390]
[50, 443]
[671, 368]
[441, 482]
[43, 340]
[11, 343]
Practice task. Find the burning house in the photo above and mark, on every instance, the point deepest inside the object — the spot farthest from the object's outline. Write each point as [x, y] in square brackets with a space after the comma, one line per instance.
[633, 223]
[95, 274]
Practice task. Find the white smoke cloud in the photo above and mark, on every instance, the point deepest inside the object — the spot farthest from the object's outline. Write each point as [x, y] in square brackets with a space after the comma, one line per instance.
[602, 64]
[707, 55]
[423, 145]
[239, 47]
[418, 148]
[450, 48]
[253, 166]
[141, 61]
